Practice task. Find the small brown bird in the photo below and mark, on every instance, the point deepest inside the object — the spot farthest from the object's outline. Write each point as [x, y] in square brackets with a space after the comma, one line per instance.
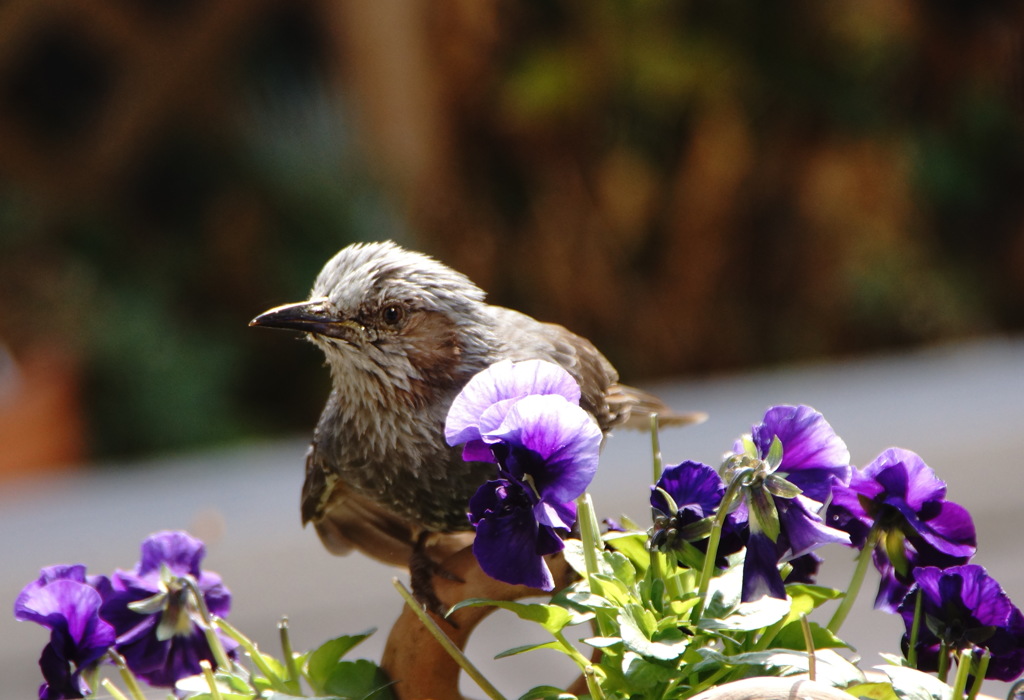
[402, 334]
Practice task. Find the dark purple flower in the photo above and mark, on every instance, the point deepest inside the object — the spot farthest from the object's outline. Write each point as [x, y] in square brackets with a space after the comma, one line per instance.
[482, 404]
[547, 452]
[813, 455]
[784, 496]
[151, 610]
[696, 490]
[63, 601]
[901, 496]
[965, 608]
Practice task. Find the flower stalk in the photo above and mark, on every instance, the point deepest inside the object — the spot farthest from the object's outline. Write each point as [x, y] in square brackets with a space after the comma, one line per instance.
[856, 581]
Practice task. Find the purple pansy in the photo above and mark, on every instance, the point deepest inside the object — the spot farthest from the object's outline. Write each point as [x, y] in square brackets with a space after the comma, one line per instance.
[697, 491]
[901, 496]
[784, 496]
[155, 620]
[963, 607]
[813, 455]
[64, 600]
[524, 416]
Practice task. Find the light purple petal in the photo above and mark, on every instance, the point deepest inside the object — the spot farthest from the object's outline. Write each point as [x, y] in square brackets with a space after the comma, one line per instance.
[498, 383]
[562, 435]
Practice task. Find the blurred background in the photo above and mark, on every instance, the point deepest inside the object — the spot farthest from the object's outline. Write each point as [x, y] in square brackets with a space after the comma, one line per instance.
[696, 186]
[702, 188]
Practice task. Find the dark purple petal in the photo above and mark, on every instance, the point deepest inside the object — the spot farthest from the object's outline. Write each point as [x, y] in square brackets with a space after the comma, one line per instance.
[694, 486]
[78, 637]
[509, 542]
[805, 568]
[761, 569]
[562, 440]
[555, 514]
[497, 385]
[965, 608]
[803, 528]
[179, 551]
[163, 662]
[811, 450]
[950, 530]
[904, 474]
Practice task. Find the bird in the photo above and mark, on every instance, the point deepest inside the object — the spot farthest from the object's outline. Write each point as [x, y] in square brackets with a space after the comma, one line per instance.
[402, 333]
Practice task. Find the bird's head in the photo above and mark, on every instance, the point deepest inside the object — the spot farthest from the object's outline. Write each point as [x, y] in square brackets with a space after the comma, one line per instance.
[382, 312]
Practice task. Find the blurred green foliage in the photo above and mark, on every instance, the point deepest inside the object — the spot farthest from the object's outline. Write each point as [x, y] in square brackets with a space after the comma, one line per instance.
[728, 183]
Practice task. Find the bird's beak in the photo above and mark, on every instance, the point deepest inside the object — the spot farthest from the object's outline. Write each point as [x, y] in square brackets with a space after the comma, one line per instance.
[313, 316]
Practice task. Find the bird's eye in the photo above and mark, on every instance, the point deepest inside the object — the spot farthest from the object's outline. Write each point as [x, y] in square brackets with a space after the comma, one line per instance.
[392, 314]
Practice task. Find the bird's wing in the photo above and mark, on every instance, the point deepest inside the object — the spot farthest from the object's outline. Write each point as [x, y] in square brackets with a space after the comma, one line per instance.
[634, 408]
[344, 520]
[612, 404]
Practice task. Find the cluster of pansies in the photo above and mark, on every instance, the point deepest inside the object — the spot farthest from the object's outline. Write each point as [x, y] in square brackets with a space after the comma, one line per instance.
[718, 588]
[150, 618]
[787, 489]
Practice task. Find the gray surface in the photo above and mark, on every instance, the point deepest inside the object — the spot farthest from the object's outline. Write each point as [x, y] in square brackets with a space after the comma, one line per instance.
[961, 407]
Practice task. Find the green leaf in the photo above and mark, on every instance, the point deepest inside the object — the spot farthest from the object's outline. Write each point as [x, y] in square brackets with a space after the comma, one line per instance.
[602, 642]
[319, 664]
[807, 597]
[636, 630]
[911, 684]
[754, 615]
[285, 696]
[530, 647]
[620, 567]
[763, 514]
[783, 488]
[546, 692]
[633, 545]
[643, 674]
[611, 588]
[552, 617]
[359, 680]
[872, 691]
[774, 457]
[791, 637]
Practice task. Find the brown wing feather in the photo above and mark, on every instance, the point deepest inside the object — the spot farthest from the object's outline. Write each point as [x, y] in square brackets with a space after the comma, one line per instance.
[344, 520]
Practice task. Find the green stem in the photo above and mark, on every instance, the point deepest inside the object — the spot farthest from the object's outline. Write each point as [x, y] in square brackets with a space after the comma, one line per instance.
[127, 676]
[915, 629]
[731, 494]
[590, 532]
[114, 691]
[963, 670]
[596, 692]
[979, 676]
[289, 656]
[943, 672]
[711, 680]
[658, 464]
[863, 559]
[255, 654]
[211, 682]
[812, 661]
[220, 656]
[447, 644]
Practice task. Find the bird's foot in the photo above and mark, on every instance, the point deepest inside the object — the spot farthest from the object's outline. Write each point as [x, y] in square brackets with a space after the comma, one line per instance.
[422, 570]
